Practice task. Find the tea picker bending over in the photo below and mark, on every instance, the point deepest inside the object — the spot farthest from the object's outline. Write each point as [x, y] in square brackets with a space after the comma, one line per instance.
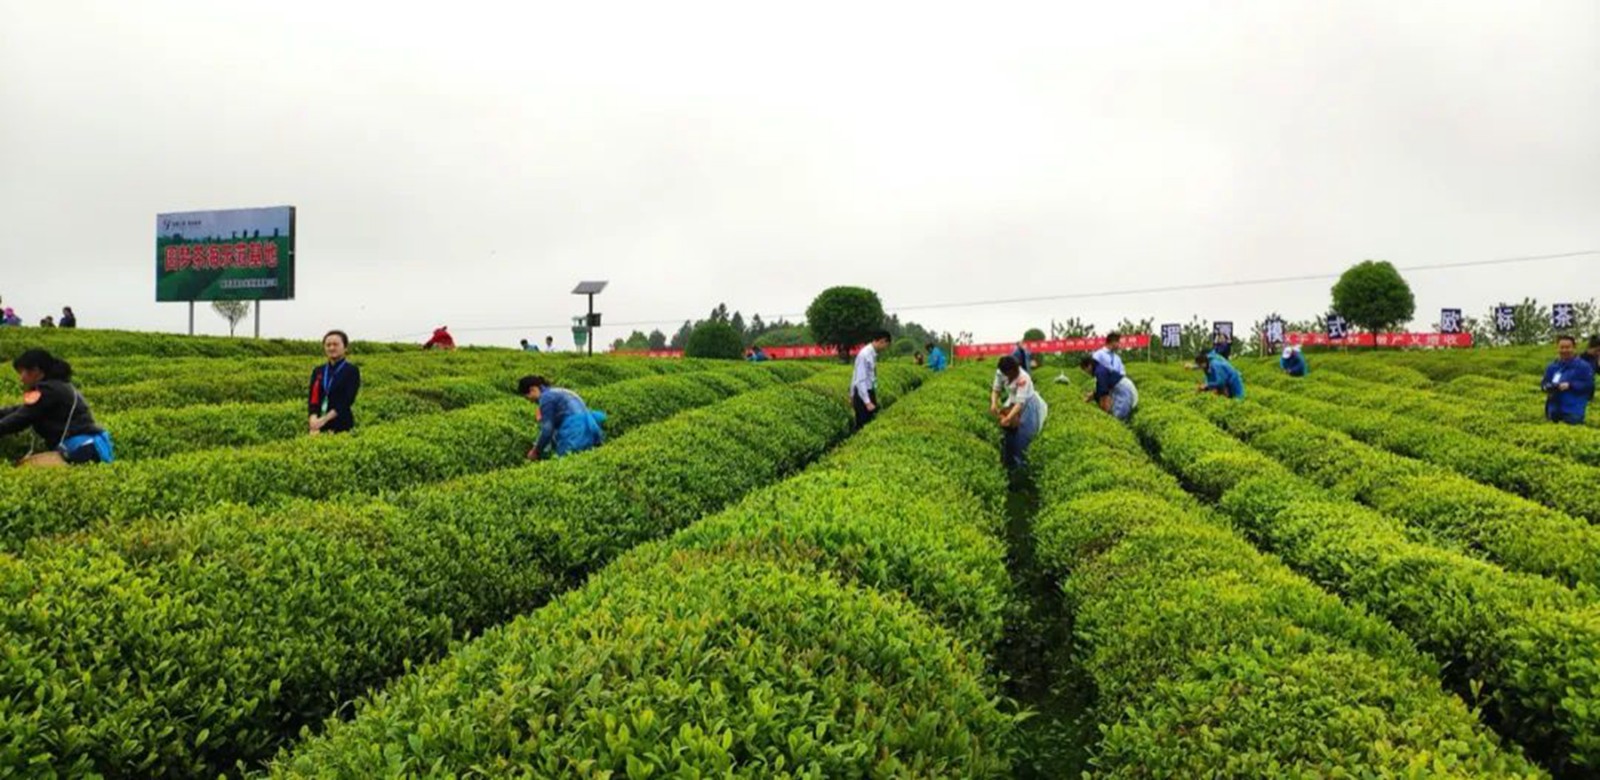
[56, 412]
[565, 421]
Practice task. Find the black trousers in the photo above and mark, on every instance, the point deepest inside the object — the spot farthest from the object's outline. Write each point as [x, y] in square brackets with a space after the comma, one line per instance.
[862, 415]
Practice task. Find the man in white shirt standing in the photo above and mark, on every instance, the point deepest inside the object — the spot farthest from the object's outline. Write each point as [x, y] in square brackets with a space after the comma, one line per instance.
[864, 380]
[550, 344]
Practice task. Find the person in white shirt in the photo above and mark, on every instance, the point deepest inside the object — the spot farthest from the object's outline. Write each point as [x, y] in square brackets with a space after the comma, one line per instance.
[1023, 415]
[864, 380]
[550, 344]
[1107, 355]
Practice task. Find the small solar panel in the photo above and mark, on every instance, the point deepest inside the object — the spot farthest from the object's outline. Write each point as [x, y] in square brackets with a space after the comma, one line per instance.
[589, 288]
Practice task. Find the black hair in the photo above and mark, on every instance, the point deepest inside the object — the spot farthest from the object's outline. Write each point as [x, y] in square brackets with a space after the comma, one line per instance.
[1594, 341]
[529, 382]
[929, 346]
[1009, 365]
[1203, 358]
[880, 335]
[344, 338]
[1086, 362]
[1113, 337]
[40, 360]
[1560, 339]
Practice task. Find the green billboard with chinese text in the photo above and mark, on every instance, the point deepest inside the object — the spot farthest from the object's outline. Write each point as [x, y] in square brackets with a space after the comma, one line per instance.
[233, 254]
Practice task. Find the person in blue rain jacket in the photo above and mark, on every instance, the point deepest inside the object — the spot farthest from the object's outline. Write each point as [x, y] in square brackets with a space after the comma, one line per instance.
[1221, 377]
[1568, 385]
[1292, 361]
[936, 359]
[566, 424]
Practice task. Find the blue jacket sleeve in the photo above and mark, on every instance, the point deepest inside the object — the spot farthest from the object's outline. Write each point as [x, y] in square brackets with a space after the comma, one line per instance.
[1549, 373]
[1582, 379]
[549, 411]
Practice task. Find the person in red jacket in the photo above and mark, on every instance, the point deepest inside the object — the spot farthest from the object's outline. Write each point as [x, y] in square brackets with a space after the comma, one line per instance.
[441, 339]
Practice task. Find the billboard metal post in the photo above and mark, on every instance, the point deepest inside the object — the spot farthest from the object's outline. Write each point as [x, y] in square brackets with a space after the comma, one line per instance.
[191, 318]
[258, 318]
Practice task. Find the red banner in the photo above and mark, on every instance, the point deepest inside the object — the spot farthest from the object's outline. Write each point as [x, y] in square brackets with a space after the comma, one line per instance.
[773, 353]
[1437, 340]
[1090, 344]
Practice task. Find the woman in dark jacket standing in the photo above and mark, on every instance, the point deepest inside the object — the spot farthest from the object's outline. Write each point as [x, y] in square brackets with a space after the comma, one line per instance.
[334, 386]
[56, 412]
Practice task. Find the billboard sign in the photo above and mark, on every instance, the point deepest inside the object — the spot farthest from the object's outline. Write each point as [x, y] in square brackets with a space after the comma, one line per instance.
[237, 254]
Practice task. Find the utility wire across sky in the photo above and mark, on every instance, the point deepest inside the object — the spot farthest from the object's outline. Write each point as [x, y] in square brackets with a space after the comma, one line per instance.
[1063, 296]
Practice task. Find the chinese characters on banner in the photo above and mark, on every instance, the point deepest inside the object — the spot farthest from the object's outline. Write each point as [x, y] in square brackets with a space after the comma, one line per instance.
[1561, 316]
[1449, 320]
[1172, 336]
[1275, 330]
[1505, 319]
[1338, 328]
[1129, 341]
[1440, 340]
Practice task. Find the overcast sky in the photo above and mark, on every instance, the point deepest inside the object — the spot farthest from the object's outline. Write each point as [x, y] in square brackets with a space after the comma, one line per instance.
[468, 163]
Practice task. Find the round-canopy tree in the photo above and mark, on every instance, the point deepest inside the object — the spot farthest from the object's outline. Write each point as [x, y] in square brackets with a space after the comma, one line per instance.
[1033, 334]
[1374, 297]
[714, 339]
[843, 317]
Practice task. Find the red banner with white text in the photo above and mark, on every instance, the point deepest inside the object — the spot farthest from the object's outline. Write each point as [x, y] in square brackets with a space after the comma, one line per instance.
[1435, 340]
[1051, 346]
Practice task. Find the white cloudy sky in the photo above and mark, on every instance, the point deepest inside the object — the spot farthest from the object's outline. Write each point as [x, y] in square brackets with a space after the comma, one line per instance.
[467, 163]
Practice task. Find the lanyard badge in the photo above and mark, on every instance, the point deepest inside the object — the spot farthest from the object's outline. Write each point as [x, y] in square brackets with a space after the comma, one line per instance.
[327, 385]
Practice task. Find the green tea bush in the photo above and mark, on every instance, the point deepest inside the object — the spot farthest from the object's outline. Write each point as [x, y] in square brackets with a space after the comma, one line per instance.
[1532, 645]
[417, 450]
[231, 629]
[1213, 660]
[787, 636]
[1515, 532]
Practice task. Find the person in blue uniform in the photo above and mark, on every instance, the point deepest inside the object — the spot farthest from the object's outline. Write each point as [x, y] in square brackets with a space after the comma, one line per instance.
[334, 386]
[56, 412]
[566, 424]
[1221, 377]
[936, 358]
[1568, 385]
[1113, 391]
[1292, 361]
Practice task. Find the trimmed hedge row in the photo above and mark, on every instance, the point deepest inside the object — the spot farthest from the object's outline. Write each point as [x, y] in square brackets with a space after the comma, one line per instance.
[1580, 444]
[1555, 482]
[220, 382]
[771, 640]
[181, 648]
[1213, 660]
[418, 450]
[109, 372]
[1532, 645]
[1364, 367]
[1444, 506]
[159, 432]
[1520, 401]
[117, 343]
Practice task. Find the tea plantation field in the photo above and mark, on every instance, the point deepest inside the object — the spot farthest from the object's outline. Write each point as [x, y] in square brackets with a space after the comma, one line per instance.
[1389, 568]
